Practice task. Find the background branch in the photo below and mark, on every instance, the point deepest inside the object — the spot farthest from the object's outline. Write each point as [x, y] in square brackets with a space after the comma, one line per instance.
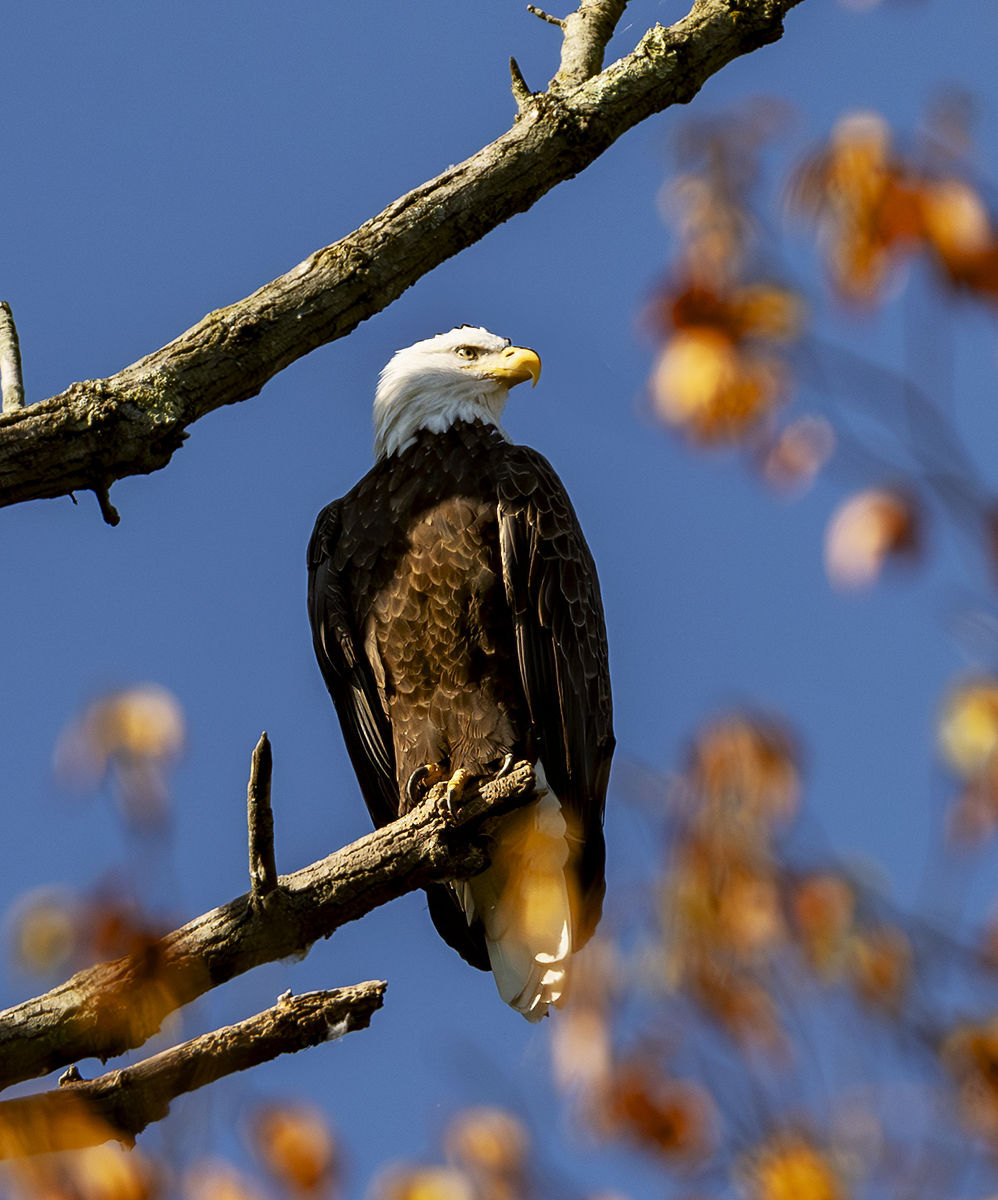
[132, 422]
[113, 1007]
[122, 1103]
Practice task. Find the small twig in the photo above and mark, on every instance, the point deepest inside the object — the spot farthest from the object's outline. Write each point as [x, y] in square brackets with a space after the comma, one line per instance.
[539, 12]
[120, 1104]
[262, 864]
[11, 383]
[521, 93]
[107, 510]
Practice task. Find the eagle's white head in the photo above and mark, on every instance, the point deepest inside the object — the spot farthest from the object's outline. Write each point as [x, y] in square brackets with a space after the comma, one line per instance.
[463, 375]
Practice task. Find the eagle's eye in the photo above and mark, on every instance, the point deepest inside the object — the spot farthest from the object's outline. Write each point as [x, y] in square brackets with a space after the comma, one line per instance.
[468, 352]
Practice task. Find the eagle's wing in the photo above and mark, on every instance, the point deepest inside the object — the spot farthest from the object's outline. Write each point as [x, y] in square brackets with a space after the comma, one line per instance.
[348, 673]
[360, 706]
[554, 596]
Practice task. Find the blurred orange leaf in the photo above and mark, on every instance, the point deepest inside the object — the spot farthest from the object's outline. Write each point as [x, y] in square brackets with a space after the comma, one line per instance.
[296, 1145]
[675, 1119]
[882, 966]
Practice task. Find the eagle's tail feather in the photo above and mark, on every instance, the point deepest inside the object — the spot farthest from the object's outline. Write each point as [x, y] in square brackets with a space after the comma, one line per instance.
[523, 903]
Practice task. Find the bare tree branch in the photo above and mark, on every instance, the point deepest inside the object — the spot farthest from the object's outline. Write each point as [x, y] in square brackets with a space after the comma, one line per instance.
[11, 383]
[113, 1007]
[131, 423]
[120, 1104]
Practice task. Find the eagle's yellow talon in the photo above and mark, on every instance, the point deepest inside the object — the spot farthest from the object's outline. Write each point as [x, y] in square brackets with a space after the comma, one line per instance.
[455, 786]
[421, 780]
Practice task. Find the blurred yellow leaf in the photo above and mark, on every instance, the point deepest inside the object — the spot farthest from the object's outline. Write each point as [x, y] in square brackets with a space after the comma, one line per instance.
[424, 1183]
[44, 930]
[955, 218]
[712, 389]
[968, 726]
[790, 1168]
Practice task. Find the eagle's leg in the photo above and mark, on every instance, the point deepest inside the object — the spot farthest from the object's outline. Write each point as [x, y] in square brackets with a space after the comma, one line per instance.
[421, 780]
[455, 786]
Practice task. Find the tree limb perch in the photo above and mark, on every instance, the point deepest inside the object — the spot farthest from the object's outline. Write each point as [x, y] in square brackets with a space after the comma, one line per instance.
[131, 423]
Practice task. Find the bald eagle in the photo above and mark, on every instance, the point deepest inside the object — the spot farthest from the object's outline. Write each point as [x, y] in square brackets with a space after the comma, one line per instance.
[457, 621]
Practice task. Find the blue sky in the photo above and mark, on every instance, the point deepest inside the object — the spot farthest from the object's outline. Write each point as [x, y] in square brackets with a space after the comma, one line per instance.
[161, 161]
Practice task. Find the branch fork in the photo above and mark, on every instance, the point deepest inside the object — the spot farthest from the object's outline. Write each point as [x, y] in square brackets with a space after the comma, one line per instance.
[585, 36]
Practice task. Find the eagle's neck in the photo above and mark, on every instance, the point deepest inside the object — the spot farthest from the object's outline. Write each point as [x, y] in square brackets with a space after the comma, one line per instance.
[404, 405]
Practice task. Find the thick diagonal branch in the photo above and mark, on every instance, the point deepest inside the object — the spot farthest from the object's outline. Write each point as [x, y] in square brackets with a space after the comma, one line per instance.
[131, 423]
[120, 1104]
[113, 1007]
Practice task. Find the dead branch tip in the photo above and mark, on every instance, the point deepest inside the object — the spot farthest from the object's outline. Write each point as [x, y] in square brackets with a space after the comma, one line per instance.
[539, 12]
[260, 817]
[521, 93]
[107, 510]
[11, 382]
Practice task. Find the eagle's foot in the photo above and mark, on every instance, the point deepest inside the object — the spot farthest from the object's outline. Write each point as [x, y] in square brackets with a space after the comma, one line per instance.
[507, 766]
[455, 787]
[421, 780]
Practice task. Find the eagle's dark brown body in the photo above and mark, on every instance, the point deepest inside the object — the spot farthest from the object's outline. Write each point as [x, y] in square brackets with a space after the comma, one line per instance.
[457, 619]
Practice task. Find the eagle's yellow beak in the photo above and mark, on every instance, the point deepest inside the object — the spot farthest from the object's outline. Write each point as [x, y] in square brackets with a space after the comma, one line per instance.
[516, 364]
